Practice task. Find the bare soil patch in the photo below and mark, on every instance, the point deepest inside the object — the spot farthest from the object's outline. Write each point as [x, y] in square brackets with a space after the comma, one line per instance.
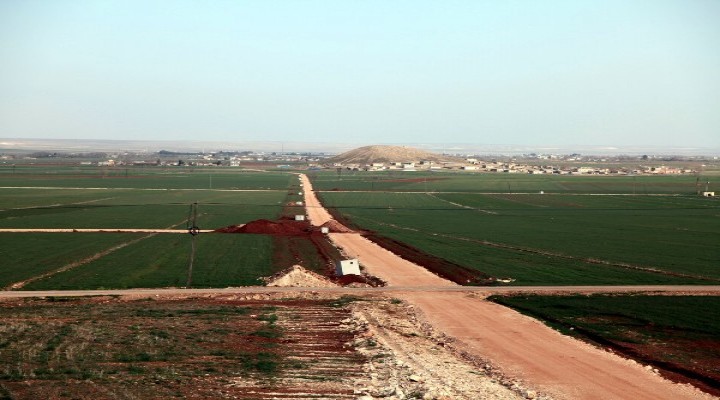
[254, 346]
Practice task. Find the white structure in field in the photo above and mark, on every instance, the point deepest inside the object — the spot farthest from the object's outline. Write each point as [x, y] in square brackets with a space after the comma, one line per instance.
[709, 194]
[347, 267]
[299, 218]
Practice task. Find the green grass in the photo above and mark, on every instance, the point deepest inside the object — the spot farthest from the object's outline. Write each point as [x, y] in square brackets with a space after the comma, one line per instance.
[698, 316]
[26, 255]
[550, 239]
[221, 260]
[131, 208]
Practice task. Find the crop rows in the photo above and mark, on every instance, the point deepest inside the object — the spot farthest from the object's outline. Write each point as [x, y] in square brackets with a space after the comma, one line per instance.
[551, 239]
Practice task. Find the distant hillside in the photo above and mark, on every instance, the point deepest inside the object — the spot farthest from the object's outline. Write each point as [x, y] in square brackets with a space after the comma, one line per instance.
[385, 154]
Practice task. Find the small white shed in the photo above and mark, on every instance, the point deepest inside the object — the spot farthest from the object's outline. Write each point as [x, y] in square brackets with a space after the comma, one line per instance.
[709, 194]
[347, 267]
[299, 218]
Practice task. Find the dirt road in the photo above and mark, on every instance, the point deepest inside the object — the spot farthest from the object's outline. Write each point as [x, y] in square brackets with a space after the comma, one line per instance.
[563, 367]
[542, 358]
[317, 214]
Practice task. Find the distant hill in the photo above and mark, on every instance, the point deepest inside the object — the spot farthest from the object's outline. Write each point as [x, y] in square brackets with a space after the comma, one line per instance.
[386, 154]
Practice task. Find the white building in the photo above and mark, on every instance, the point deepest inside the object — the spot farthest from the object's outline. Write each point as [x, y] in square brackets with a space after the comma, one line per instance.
[347, 267]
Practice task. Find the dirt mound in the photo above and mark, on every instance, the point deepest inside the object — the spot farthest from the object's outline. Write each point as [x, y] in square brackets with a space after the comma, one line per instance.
[229, 229]
[360, 281]
[267, 227]
[336, 227]
[298, 276]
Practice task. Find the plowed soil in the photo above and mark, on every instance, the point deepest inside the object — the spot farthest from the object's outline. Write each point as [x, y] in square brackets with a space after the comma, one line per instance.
[257, 346]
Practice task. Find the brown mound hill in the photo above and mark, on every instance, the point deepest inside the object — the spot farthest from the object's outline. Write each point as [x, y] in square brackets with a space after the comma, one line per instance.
[385, 154]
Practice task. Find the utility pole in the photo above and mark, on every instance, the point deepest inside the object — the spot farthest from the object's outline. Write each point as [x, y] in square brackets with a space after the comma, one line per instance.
[193, 231]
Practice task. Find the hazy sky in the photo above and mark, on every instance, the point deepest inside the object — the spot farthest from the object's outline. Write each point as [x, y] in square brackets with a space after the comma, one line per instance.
[602, 72]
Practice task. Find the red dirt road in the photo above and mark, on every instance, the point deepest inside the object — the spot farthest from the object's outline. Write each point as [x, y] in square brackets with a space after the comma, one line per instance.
[563, 367]
[544, 359]
[317, 214]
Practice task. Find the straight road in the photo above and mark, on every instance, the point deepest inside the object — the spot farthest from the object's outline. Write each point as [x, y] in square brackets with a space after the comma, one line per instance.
[522, 347]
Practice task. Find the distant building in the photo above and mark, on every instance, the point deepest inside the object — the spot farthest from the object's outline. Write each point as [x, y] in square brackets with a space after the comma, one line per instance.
[708, 194]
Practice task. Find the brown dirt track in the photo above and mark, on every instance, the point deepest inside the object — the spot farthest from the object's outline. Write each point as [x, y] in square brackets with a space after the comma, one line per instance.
[554, 364]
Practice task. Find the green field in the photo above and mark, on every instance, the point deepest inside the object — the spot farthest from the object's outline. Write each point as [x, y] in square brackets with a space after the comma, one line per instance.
[114, 260]
[551, 239]
[136, 177]
[162, 261]
[502, 182]
[133, 208]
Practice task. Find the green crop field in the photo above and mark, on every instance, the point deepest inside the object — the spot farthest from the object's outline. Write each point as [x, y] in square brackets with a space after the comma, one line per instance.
[502, 182]
[123, 260]
[162, 261]
[136, 177]
[132, 208]
[548, 239]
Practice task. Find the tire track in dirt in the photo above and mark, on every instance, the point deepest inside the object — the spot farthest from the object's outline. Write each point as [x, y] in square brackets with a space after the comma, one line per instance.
[57, 205]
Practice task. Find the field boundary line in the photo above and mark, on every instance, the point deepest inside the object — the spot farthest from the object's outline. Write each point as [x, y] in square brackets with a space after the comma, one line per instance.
[462, 205]
[57, 205]
[75, 264]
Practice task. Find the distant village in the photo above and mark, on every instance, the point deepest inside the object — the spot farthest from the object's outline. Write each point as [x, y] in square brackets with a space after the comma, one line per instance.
[476, 165]
[574, 164]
